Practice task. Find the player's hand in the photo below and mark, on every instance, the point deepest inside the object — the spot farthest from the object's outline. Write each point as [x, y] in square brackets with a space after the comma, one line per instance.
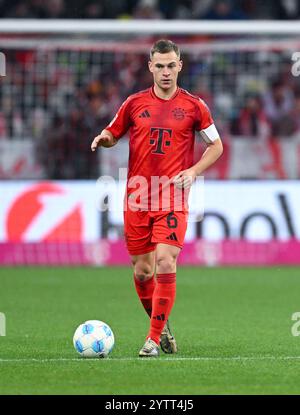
[184, 179]
[102, 139]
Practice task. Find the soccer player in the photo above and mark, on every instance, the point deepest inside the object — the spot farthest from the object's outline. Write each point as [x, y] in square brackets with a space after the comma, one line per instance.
[162, 122]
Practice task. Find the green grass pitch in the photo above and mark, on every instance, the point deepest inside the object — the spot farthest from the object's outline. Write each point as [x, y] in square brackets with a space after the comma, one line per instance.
[233, 328]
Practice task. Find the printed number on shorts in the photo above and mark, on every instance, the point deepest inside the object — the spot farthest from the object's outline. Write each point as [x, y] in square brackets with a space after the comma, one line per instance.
[172, 220]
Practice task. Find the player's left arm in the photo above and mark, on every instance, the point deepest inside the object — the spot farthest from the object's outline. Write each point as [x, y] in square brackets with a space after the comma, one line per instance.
[208, 131]
[213, 151]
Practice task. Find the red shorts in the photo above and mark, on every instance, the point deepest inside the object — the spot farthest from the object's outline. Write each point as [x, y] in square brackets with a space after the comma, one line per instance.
[144, 229]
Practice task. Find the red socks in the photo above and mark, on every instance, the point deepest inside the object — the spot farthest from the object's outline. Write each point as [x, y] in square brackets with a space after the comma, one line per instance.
[162, 302]
[145, 290]
[157, 298]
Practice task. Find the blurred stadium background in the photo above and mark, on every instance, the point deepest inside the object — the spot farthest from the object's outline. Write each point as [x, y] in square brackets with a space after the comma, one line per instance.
[66, 78]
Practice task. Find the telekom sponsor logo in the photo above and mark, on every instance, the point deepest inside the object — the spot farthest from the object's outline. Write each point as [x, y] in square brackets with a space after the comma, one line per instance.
[33, 215]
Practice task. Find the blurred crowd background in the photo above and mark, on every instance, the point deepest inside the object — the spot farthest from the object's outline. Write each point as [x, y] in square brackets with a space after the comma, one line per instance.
[58, 98]
[151, 9]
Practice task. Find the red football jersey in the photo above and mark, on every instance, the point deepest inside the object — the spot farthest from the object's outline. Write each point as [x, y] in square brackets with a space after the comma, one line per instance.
[161, 132]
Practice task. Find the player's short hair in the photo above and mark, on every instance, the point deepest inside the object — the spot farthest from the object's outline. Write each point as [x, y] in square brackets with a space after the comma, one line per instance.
[164, 46]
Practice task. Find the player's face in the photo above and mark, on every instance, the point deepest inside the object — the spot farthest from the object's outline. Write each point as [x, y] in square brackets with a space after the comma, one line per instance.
[165, 68]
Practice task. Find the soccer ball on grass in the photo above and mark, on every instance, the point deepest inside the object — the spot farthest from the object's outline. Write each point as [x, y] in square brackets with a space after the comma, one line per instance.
[93, 338]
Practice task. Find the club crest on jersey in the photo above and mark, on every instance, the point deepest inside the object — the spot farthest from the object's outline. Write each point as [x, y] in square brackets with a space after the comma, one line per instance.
[178, 113]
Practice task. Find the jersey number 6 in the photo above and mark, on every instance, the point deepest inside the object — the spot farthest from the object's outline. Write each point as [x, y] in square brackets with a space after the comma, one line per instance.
[172, 220]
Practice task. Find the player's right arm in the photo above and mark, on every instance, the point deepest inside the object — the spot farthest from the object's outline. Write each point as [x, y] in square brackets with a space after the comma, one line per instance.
[116, 129]
[105, 139]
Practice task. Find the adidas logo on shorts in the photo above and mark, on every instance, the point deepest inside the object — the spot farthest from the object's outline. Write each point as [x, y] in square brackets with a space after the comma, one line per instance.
[172, 237]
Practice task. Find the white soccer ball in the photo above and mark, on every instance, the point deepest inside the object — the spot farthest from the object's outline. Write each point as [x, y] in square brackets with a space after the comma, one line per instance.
[93, 338]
